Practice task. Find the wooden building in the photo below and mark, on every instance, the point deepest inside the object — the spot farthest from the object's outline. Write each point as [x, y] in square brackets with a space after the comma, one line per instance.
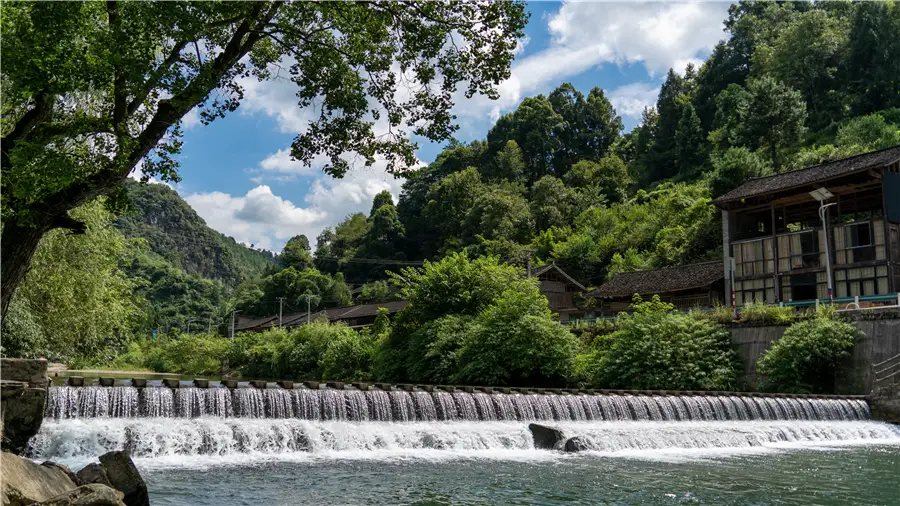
[563, 292]
[686, 286]
[775, 241]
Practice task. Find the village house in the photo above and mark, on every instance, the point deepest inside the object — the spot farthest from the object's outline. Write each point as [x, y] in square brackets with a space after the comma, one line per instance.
[783, 234]
[687, 286]
[562, 291]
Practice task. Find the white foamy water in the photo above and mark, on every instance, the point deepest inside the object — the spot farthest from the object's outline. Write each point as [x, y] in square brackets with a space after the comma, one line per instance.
[219, 441]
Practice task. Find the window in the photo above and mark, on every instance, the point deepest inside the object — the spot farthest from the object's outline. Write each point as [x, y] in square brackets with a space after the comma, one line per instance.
[753, 258]
[807, 286]
[798, 251]
[859, 243]
[861, 281]
[754, 290]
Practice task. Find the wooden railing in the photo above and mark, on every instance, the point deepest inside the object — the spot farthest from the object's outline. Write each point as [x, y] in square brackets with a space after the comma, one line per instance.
[886, 372]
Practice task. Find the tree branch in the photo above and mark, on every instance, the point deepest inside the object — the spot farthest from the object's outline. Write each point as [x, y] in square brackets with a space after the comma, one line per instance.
[120, 101]
[157, 75]
[24, 126]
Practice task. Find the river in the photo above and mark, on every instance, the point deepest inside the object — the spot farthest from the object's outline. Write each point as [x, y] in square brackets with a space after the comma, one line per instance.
[215, 447]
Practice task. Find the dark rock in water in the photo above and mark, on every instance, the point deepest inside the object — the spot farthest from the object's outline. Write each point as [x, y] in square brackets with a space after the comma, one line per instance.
[575, 444]
[23, 395]
[92, 473]
[431, 441]
[94, 494]
[125, 477]
[546, 438]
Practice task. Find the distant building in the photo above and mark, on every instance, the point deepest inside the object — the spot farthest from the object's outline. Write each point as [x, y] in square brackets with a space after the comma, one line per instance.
[773, 236]
[563, 292]
[560, 289]
[687, 286]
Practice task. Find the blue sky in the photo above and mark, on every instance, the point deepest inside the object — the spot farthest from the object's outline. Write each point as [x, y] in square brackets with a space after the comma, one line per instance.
[237, 175]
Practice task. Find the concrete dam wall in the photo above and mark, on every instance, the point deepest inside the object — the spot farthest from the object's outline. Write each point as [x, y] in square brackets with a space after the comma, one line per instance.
[881, 341]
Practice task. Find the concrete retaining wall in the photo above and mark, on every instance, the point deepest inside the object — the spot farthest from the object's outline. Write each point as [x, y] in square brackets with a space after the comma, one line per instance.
[881, 342]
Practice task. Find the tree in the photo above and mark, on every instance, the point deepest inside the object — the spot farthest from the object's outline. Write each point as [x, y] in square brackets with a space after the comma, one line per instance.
[508, 165]
[552, 203]
[296, 253]
[764, 115]
[872, 66]
[609, 175]
[775, 119]
[77, 302]
[690, 144]
[516, 341]
[383, 198]
[808, 358]
[806, 56]
[733, 167]
[455, 285]
[91, 90]
[657, 348]
[376, 291]
[533, 125]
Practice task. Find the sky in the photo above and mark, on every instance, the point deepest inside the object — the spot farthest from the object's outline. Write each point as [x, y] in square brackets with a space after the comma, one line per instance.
[238, 175]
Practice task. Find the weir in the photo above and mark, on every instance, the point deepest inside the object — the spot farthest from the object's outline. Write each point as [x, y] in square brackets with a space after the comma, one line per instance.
[353, 405]
[85, 421]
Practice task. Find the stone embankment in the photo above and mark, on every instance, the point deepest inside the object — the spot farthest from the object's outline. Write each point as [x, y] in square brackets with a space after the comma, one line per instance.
[885, 403]
[115, 481]
[23, 395]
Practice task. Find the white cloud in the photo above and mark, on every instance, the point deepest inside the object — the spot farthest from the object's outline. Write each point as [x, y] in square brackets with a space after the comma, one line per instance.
[632, 99]
[267, 221]
[260, 217]
[281, 161]
[587, 34]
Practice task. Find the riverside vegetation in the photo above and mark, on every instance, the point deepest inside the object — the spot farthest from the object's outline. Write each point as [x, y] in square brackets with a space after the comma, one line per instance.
[794, 84]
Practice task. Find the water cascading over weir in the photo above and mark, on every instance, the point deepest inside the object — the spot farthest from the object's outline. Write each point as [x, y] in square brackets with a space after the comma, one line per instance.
[179, 419]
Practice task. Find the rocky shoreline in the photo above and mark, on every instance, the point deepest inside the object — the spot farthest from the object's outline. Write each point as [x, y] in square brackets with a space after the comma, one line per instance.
[114, 481]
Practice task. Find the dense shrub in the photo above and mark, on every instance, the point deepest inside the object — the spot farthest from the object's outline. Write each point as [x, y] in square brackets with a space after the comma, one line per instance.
[656, 348]
[809, 356]
[179, 353]
[761, 313]
[515, 341]
[475, 322]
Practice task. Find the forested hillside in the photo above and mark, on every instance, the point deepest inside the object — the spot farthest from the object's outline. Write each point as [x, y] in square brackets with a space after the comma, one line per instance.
[557, 179]
[793, 84]
[175, 232]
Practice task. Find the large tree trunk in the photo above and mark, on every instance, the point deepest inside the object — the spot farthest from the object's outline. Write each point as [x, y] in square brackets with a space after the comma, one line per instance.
[19, 242]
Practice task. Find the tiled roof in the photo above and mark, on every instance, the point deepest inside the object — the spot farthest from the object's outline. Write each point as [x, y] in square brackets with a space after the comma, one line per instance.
[537, 271]
[258, 322]
[670, 279]
[762, 185]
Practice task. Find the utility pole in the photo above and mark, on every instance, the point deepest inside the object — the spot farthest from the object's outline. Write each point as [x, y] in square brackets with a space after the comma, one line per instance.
[308, 295]
[234, 312]
[209, 326]
[822, 194]
[280, 303]
[529, 266]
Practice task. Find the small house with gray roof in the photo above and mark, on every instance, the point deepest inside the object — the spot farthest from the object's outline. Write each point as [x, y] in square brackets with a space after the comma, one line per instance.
[782, 234]
[687, 286]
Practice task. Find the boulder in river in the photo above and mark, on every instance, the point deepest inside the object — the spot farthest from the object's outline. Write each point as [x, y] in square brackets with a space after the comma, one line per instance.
[575, 444]
[92, 473]
[25, 482]
[546, 438]
[93, 494]
[124, 477]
